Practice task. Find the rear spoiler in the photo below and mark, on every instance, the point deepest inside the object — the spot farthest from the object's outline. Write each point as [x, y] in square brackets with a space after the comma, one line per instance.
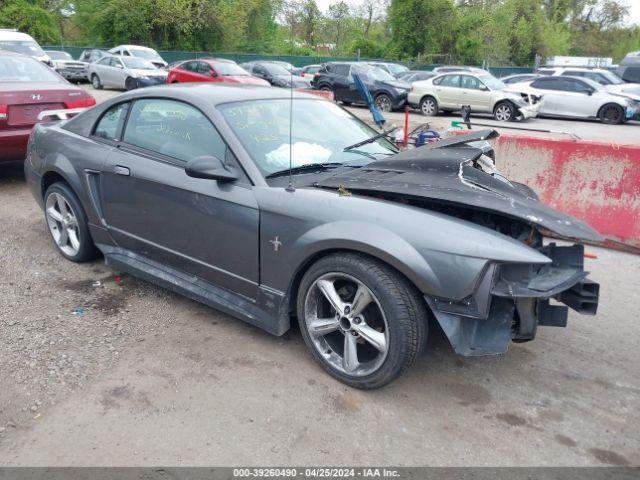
[56, 115]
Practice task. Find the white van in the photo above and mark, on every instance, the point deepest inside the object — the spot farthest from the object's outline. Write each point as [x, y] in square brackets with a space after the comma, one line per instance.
[18, 42]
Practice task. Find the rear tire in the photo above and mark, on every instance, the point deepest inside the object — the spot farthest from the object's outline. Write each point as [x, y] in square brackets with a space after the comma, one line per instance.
[95, 81]
[364, 347]
[611, 114]
[429, 106]
[67, 224]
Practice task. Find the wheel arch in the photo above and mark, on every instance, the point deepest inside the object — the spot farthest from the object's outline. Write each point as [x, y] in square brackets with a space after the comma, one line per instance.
[606, 104]
[306, 264]
[53, 176]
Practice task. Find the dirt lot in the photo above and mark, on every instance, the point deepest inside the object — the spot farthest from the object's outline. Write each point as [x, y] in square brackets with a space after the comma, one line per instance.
[101, 370]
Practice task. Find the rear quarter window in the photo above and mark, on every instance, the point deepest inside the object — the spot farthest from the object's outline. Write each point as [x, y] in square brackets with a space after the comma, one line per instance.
[110, 124]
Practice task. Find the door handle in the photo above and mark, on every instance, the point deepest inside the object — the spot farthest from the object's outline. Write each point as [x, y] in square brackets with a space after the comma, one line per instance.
[120, 170]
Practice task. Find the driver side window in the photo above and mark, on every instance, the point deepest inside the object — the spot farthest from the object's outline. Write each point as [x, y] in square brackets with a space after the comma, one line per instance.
[174, 129]
[471, 83]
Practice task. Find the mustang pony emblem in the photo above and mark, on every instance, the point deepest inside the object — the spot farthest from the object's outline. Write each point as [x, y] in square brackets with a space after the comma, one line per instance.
[276, 243]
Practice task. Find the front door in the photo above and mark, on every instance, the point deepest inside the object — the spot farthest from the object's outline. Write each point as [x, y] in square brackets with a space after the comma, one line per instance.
[152, 208]
[475, 93]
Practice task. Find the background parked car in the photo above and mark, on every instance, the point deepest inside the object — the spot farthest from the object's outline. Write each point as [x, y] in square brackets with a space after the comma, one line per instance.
[394, 69]
[276, 74]
[483, 92]
[388, 93]
[290, 67]
[609, 80]
[310, 70]
[138, 51]
[18, 42]
[212, 70]
[579, 98]
[65, 65]
[125, 73]
[92, 55]
[519, 78]
[458, 68]
[629, 69]
[27, 87]
[415, 75]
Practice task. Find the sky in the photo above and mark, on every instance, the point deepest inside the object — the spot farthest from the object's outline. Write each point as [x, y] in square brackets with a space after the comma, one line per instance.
[634, 5]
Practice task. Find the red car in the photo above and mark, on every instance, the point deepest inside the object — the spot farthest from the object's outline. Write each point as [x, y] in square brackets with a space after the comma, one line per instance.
[212, 70]
[28, 87]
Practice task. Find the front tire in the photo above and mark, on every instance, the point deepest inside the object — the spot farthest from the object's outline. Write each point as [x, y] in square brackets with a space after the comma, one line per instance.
[362, 321]
[504, 112]
[383, 102]
[611, 114]
[95, 82]
[130, 84]
[67, 224]
[429, 106]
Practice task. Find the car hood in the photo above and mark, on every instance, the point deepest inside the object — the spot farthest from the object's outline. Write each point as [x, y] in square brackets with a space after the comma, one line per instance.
[395, 84]
[148, 73]
[625, 88]
[448, 176]
[248, 79]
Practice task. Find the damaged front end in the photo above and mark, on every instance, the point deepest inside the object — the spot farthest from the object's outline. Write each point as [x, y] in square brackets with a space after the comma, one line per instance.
[457, 177]
[512, 300]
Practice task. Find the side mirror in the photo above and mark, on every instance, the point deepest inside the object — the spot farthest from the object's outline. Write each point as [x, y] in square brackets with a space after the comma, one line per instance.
[590, 92]
[484, 88]
[212, 73]
[211, 168]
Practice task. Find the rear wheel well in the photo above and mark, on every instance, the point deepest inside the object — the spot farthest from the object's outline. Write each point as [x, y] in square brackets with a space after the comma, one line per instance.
[49, 179]
[302, 269]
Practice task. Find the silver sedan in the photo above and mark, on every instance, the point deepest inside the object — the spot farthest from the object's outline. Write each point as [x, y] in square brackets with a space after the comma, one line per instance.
[124, 73]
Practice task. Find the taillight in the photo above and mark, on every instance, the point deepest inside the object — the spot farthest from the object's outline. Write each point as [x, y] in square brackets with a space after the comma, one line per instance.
[4, 109]
[84, 103]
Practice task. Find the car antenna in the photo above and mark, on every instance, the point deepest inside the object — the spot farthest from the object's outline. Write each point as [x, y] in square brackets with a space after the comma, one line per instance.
[290, 187]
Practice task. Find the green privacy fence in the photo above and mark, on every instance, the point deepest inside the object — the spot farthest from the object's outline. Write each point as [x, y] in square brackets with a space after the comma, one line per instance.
[299, 61]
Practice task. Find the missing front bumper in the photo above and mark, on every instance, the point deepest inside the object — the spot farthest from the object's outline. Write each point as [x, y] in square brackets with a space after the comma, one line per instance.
[518, 300]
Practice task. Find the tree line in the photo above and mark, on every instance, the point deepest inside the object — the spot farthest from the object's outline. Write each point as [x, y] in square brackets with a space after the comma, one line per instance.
[498, 32]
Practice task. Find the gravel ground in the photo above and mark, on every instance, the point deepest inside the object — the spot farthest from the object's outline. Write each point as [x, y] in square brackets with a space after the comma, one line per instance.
[98, 369]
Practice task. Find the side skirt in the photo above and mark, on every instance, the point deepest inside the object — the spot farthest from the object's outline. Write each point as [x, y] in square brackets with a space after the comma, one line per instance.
[268, 312]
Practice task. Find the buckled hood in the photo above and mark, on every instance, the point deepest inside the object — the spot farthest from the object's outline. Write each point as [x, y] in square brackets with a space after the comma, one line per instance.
[451, 175]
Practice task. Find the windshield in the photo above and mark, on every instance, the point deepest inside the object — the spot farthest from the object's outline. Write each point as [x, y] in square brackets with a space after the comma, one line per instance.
[25, 47]
[612, 77]
[396, 69]
[492, 82]
[146, 54]
[59, 56]
[374, 72]
[22, 69]
[275, 69]
[320, 132]
[593, 84]
[224, 68]
[137, 63]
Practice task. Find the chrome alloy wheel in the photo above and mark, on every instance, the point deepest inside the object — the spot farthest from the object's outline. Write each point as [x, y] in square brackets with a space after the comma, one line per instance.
[63, 224]
[428, 106]
[503, 113]
[346, 324]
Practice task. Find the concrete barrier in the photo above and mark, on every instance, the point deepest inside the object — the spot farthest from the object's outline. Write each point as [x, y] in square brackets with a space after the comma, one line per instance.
[598, 183]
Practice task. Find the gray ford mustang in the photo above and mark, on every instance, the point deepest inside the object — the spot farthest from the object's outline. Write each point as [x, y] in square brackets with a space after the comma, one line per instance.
[189, 187]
